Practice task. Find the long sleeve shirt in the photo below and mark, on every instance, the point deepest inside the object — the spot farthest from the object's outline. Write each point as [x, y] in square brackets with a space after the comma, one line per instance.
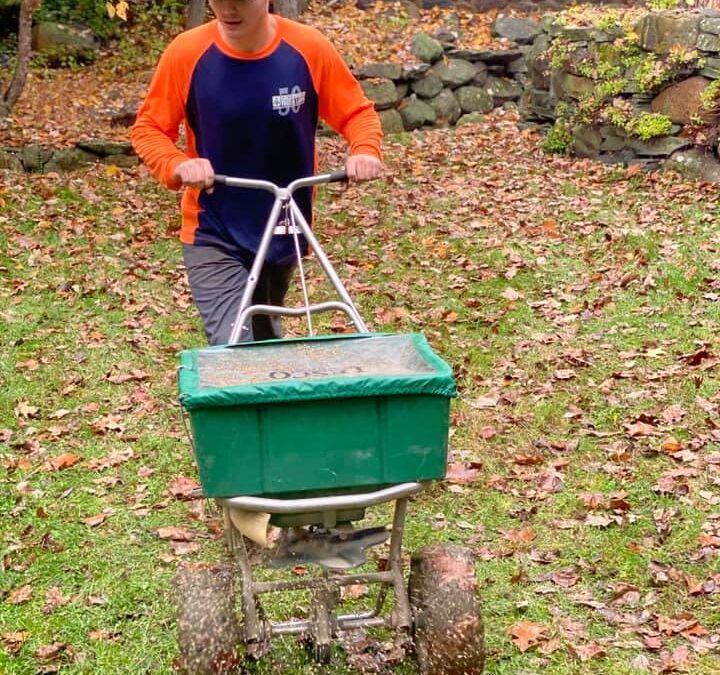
[252, 115]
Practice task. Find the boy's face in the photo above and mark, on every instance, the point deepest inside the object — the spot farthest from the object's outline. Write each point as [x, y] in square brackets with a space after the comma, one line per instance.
[241, 19]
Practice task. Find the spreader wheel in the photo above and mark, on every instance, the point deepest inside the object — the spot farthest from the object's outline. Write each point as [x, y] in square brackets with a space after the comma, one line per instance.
[448, 629]
[208, 629]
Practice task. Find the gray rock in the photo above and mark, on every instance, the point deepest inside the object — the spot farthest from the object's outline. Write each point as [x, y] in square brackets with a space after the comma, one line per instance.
[391, 121]
[122, 161]
[454, 72]
[105, 148]
[624, 156]
[470, 118]
[380, 92]
[519, 66]
[386, 71]
[416, 113]
[566, 85]
[474, 99]
[69, 159]
[708, 42]
[428, 86]
[585, 34]
[537, 104]
[538, 64]
[402, 89]
[695, 163]
[9, 161]
[503, 89]
[414, 71]
[548, 23]
[446, 107]
[59, 41]
[34, 157]
[481, 73]
[613, 139]
[517, 29]
[425, 48]
[660, 31]
[586, 140]
[662, 146]
[711, 68]
[710, 25]
[495, 57]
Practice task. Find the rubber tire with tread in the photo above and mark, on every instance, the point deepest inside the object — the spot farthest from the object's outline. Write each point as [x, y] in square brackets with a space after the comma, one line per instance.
[448, 630]
[209, 632]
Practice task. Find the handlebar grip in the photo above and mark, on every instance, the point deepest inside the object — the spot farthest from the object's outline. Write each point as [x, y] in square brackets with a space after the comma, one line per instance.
[338, 176]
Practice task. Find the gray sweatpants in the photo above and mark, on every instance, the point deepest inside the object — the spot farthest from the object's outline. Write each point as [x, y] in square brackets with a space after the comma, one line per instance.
[217, 281]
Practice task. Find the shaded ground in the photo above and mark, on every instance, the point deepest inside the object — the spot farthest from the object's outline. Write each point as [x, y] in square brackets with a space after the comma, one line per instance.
[578, 306]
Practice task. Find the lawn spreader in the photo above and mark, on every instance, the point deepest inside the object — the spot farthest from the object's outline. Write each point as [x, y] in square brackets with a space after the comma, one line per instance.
[305, 434]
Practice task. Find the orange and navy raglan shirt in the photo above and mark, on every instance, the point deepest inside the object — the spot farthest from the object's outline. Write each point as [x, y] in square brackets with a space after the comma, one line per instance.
[252, 115]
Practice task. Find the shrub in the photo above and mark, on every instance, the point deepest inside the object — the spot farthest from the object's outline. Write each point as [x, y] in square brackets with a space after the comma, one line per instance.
[558, 140]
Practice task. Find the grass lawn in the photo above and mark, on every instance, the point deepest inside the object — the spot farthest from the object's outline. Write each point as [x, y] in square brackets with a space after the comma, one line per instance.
[579, 308]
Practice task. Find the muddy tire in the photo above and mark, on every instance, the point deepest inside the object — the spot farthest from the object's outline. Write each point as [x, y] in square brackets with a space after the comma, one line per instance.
[209, 633]
[447, 628]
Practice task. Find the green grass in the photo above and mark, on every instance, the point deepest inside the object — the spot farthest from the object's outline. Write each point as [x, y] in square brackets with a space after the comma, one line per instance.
[93, 288]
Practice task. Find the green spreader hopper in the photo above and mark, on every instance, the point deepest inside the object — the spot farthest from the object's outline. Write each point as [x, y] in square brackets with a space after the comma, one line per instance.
[317, 414]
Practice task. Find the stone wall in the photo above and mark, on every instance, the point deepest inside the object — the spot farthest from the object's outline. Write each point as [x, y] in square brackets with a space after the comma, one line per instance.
[620, 86]
[641, 90]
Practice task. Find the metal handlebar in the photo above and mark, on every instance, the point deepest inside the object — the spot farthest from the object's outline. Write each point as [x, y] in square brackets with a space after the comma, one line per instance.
[256, 184]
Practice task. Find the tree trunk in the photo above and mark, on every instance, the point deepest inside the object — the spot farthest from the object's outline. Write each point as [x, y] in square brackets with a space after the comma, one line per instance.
[17, 84]
[290, 9]
[196, 13]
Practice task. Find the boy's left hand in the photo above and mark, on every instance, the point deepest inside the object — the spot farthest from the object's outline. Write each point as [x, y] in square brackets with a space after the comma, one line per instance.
[363, 167]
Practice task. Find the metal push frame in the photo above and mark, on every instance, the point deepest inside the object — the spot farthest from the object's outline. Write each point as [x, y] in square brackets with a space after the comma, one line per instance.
[286, 219]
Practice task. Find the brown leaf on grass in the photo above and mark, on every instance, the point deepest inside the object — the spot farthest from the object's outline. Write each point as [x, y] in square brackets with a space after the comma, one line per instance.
[564, 374]
[696, 358]
[487, 432]
[106, 424]
[115, 458]
[181, 548]
[528, 459]
[23, 409]
[671, 445]
[463, 474]
[5, 435]
[48, 652]
[20, 595]
[183, 487]
[105, 635]
[676, 661]
[489, 400]
[64, 461]
[526, 634]
[134, 375]
[566, 577]
[638, 429]
[175, 533]
[584, 653]
[14, 641]
[354, 591]
[54, 598]
[94, 521]
[519, 535]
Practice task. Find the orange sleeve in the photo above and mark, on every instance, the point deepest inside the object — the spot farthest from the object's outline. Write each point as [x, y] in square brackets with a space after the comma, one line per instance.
[343, 104]
[156, 130]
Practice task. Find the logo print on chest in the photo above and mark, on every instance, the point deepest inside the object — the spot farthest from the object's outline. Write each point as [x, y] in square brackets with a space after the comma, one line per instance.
[286, 100]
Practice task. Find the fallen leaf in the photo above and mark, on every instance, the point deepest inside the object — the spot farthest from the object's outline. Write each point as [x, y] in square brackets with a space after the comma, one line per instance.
[526, 634]
[20, 595]
[94, 521]
[64, 461]
[175, 533]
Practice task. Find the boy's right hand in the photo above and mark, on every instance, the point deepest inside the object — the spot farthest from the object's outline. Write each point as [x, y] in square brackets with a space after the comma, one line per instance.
[196, 173]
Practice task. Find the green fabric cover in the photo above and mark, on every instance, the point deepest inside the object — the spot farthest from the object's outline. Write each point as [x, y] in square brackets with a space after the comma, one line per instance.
[433, 376]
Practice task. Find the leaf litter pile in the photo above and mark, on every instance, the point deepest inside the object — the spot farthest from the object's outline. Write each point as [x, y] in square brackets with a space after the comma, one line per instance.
[578, 305]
